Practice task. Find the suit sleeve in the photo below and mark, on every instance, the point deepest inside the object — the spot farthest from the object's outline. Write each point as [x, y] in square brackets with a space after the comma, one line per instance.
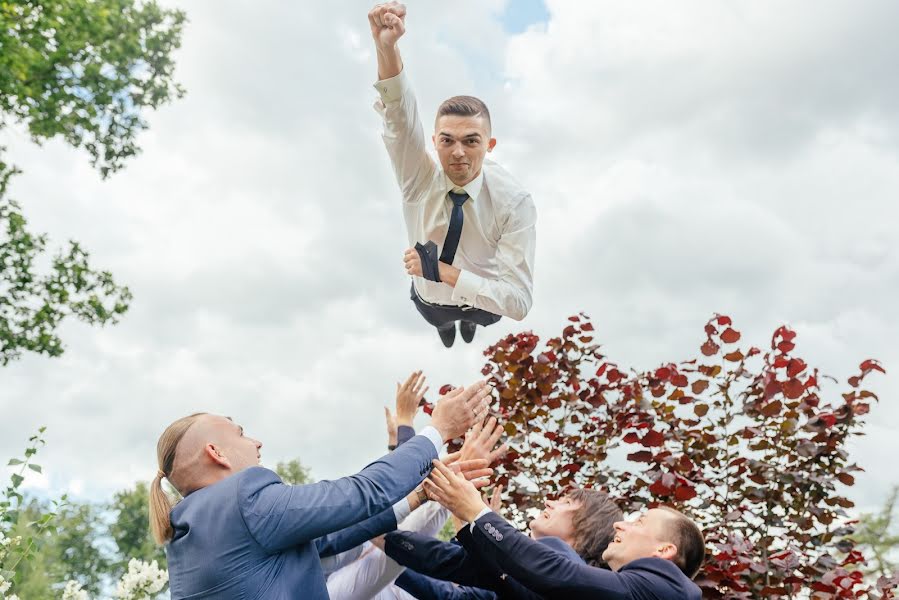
[542, 569]
[435, 558]
[279, 516]
[428, 588]
[354, 535]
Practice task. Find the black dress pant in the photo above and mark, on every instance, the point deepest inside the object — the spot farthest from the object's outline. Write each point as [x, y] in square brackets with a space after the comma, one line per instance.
[442, 316]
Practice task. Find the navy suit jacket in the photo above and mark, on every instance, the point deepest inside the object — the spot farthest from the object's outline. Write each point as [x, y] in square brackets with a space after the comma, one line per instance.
[462, 563]
[251, 536]
[423, 587]
[553, 575]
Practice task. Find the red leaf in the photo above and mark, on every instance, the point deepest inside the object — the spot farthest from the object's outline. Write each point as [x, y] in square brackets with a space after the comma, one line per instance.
[724, 320]
[793, 388]
[710, 348]
[574, 319]
[660, 489]
[679, 380]
[631, 438]
[734, 356]
[846, 478]
[796, 366]
[699, 386]
[729, 336]
[641, 456]
[786, 346]
[684, 493]
[653, 438]
[701, 410]
[601, 369]
[663, 373]
[772, 408]
[871, 365]
[587, 327]
[572, 467]
[446, 389]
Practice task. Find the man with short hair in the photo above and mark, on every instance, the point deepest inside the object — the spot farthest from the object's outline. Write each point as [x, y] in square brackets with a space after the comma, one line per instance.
[471, 225]
[240, 532]
[653, 557]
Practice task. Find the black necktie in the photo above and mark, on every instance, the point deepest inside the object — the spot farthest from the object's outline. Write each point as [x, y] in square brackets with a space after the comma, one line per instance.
[455, 228]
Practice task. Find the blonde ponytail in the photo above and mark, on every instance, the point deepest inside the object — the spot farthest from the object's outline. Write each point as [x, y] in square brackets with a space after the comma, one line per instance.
[160, 501]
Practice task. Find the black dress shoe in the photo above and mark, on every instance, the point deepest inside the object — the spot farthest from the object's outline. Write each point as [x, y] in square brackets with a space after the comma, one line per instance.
[448, 335]
[466, 328]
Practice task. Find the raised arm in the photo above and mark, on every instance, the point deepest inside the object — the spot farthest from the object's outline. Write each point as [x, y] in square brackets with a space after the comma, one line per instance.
[279, 516]
[403, 134]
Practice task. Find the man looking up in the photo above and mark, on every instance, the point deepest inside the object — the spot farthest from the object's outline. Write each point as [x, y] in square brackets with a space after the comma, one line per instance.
[654, 557]
[471, 225]
[240, 532]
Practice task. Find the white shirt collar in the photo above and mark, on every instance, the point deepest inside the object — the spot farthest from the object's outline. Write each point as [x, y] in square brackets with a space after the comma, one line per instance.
[472, 188]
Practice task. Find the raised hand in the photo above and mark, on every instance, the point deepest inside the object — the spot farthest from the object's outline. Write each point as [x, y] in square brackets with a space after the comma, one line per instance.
[387, 23]
[408, 398]
[480, 442]
[459, 409]
[457, 494]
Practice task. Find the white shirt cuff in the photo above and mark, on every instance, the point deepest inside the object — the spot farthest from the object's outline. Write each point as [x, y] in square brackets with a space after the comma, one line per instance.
[401, 510]
[480, 514]
[432, 434]
[467, 287]
[392, 89]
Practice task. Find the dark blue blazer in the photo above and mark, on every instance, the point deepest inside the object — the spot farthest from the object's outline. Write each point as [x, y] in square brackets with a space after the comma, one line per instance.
[553, 575]
[251, 536]
[462, 563]
[423, 587]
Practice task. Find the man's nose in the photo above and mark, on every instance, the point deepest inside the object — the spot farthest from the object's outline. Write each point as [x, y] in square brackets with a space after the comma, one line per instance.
[458, 151]
[619, 525]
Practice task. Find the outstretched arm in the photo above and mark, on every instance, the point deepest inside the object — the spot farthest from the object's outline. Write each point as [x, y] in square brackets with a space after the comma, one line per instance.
[387, 22]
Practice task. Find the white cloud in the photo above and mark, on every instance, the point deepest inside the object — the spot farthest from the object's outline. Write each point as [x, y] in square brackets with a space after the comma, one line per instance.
[737, 158]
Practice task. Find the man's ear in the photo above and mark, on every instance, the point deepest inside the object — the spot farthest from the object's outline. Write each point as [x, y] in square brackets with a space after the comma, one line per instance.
[213, 453]
[434, 140]
[491, 144]
[668, 551]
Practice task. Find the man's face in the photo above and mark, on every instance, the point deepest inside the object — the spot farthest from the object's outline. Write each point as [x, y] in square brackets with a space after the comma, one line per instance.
[241, 451]
[462, 143]
[644, 537]
[557, 519]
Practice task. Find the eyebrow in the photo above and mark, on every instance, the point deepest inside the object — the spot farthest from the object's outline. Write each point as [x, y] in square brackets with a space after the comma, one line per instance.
[464, 137]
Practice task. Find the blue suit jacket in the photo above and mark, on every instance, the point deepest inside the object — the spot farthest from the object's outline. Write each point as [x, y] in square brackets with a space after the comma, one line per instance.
[251, 536]
[461, 563]
[553, 575]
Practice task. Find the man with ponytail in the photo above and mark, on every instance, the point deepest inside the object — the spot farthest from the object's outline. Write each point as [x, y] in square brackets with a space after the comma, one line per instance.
[240, 532]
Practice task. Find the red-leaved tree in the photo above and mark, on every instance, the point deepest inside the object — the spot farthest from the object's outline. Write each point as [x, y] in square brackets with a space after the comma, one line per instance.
[744, 441]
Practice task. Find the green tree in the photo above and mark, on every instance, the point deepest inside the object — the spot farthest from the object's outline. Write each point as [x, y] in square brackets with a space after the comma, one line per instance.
[84, 71]
[130, 529]
[293, 472]
[72, 551]
[877, 537]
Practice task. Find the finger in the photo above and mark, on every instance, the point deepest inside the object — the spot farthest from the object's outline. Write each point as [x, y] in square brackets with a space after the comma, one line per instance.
[477, 473]
[409, 380]
[450, 458]
[416, 385]
[499, 453]
[399, 25]
[444, 470]
[480, 483]
[475, 431]
[469, 465]
[497, 432]
[423, 392]
[432, 490]
[440, 473]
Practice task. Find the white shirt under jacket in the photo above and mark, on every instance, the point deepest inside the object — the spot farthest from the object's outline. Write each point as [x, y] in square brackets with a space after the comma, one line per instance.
[496, 250]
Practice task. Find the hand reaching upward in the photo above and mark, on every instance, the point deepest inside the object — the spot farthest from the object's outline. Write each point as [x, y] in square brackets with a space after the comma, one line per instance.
[387, 23]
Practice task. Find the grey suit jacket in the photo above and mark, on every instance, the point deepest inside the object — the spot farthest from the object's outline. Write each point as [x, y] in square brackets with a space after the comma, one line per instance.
[251, 536]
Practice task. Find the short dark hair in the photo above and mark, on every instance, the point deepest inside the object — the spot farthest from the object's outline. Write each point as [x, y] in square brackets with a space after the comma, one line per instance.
[593, 524]
[464, 106]
[689, 541]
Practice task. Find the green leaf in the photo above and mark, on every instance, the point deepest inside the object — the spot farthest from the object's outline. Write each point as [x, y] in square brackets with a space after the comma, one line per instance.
[14, 461]
[35, 468]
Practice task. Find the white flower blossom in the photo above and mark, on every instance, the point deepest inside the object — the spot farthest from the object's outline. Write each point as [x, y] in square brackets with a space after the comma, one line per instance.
[142, 581]
[73, 591]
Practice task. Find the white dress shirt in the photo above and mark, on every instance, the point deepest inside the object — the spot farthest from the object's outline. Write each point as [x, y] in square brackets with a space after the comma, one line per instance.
[371, 577]
[496, 250]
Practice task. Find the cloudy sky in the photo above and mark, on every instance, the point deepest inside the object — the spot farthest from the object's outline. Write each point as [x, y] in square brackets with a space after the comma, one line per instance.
[738, 157]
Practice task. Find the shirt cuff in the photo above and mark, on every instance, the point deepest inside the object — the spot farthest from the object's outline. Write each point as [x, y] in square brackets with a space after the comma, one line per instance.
[401, 510]
[480, 514]
[392, 89]
[467, 287]
[432, 434]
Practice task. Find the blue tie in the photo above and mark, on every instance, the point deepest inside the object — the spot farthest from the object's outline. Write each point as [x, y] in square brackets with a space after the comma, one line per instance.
[455, 228]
